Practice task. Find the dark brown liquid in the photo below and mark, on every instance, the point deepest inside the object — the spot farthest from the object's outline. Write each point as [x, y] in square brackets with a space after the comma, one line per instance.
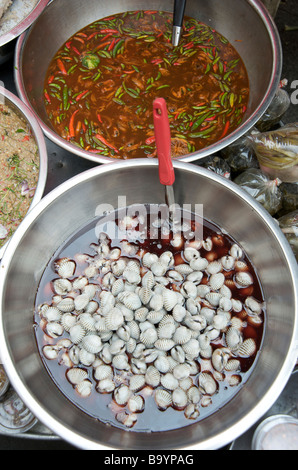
[101, 406]
[101, 84]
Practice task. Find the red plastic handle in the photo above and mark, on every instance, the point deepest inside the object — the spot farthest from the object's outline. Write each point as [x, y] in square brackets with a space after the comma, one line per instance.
[163, 142]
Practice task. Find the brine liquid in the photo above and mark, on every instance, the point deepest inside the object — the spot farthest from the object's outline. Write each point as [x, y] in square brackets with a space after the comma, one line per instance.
[102, 406]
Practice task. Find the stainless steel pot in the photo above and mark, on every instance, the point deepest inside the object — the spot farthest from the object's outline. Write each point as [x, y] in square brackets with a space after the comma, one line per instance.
[8, 98]
[7, 40]
[245, 23]
[74, 204]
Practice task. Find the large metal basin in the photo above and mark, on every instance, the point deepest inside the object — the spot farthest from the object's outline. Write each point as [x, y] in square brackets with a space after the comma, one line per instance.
[246, 23]
[74, 204]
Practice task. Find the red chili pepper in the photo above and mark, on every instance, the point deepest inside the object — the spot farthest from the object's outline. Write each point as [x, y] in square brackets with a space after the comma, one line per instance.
[99, 117]
[61, 66]
[47, 97]
[150, 140]
[189, 45]
[51, 79]
[112, 44]
[79, 39]
[210, 118]
[75, 50]
[26, 138]
[68, 44]
[225, 131]
[105, 142]
[81, 95]
[71, 124]
[109, 31]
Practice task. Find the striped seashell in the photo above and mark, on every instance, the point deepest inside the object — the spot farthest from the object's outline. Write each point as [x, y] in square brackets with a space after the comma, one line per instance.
[191, 411]
[178, 354]
[237, 305]
[234, 380]
[195, 322]
[118, 267]
[108, 280]
[213, 298]
[66, 305]
[248, 348]
[182, 335]
[106, 299]
[138, 366]
[221, 321]
[216, 281]
[253, 305]
[86, 358]
[141, 314]
[179, 398]
[52, 314]
[62, 286]
[191, 348]
[168, 381]
[54, 329]
[167, 318]
[193, 306]
[186, 383]
[79, 283]
[122, 394]
[203, 290]
[152, 376]
[137, 382]
[189, 289]
[155, 316]
[128, 420]
[87, 321]
[220, 358]
[76, 375]
[243, 279]
[163, 399]
[194, 394]
[199, 264]
[134, 329]
[84, 388]
[117, 287]
[183, 269]
[225, 304]
[92, 343]
[136, 403]
[131, 276]
[92, 307]
[117, 345]
[105, 386]
[74, 354]
[237, 323]
[207, 384]
[149, 259]
[77, 333]
[114, 319]
[226, 292]
[145, 295]
[148, 280]
[65, 267]
[228, 262]
[115, 254]
[181, 371]
[164, 344]
[162, 364]
[148, 337]
[234, 338]
[156, 302]
[170, 299]
[214, 267]
[130, 345]
[81, 302]
[207, 244]
[208, 314]
[195, 277]
[175, 275]
[166, 330]
[233, 365]
[130, 299]
[158, 268]
[179, 313]
[120, 361]
[50, 352]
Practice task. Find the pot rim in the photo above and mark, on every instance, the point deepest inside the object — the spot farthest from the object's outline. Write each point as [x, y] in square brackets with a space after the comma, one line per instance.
[29, 116]
[24, 24]
[216, 147]
[222, 438]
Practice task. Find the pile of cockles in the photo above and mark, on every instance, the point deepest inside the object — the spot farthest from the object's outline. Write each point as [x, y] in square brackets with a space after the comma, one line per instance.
[133, 323]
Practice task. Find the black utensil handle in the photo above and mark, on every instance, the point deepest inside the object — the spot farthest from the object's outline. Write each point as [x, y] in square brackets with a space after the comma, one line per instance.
[179, 9]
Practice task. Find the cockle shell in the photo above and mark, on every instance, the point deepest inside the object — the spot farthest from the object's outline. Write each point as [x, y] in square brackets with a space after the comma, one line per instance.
[162, 364]
[54, 329]
[216, 281]
[202, 290]
[167, 258]
[122, 394]
[62, 286]
[66, 305]
[120, 361]
[130, 300]
[228, 262]
[155, 316]
[236, 251]
[175, 275]
[52, 314]
[207, 384]
[181, 371]
[114, 319]
[164, 344]
[179, 312]
[51, 352]
[75, 375]
[81, 302]
[194, 394]
[170, 299]
[137, 382]
[234, 338]
[118, 267]
[168, 381]
[158, 268]
[213, 298]
[166, 330]
[84, 388]
[182, 335]
[183, 269]
[136, 403]
[152, 376]
[79, 283]
[195, 277]
[232, 365]
[220, 358]
[92, 343]
[86, 358]
[199, 264]
[244, 279]
[253, 305]
[105, 386]
[191, 253]
[191, 348]
[163, 399]
[248, 348]
[76, 333]
[179, 398]
[148, 337]
[65, 267]
[156, 302]
[149, 259]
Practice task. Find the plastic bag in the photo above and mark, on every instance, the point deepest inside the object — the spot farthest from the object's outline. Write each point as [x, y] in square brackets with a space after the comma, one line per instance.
[274, 113]
[262, 188]
[240, 155]
[289, 197]
[289, 225]
[217, 165]
[277, 152]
